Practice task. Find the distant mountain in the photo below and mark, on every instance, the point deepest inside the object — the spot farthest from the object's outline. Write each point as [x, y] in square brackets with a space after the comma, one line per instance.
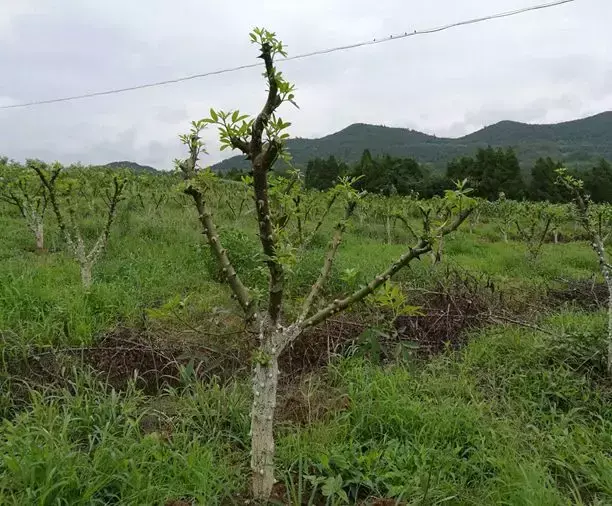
[577, 142]
[136, 167]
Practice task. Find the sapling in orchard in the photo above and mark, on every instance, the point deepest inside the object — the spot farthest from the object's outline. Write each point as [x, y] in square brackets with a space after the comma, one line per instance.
[62, 194]
[23, 190]
[592, 224]
[262, 140]
[150, 191]
[533, 221]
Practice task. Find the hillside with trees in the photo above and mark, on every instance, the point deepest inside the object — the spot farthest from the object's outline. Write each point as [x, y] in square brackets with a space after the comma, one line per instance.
[136, 167]
[579, 143]
[490, 171]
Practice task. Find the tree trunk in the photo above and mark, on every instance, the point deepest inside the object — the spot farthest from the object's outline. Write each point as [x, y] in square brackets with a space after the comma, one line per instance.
[265, 382]
[556, 236]
[86, 277]
[39, 233]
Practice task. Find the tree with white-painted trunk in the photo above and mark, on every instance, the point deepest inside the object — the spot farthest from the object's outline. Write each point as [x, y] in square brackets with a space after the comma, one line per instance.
[592, 222]
[261, 140]
[64, 204]
[22, 189]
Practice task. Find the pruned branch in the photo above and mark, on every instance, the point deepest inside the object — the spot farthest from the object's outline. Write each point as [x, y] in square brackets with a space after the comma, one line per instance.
[114, 199]
[319, 224]
[424, 246]
[406, 224]
[188, 167]
[262, 159]
[241, 145]
[268, 242]
[49, 184]
[328, 261]
[272, 102]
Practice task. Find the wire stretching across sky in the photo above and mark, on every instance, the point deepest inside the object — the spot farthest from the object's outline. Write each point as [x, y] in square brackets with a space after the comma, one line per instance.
[296, 57]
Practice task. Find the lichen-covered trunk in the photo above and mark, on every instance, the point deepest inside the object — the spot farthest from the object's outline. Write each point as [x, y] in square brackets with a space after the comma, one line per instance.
[39, 234]
[265, 382]
[86, 276]
[40, 237]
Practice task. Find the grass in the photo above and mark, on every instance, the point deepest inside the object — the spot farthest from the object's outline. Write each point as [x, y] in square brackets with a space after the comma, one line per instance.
[516, 417]
[493, 424]
[504, 421]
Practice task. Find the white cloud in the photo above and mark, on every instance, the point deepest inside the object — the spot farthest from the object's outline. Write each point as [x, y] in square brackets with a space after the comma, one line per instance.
[549, 65]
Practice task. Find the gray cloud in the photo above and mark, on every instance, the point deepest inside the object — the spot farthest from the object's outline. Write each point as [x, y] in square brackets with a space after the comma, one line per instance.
[547, 66]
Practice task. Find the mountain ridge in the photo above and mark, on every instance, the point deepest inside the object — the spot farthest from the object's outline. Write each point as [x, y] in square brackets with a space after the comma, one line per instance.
[578, 142]
[136, 167]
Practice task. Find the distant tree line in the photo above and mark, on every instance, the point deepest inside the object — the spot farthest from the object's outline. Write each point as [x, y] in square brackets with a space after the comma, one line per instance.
[490, 172]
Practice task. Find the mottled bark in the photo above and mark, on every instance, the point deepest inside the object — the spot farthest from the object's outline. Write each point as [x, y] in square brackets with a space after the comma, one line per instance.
[86, 275]
[265, 383]
[39, 234]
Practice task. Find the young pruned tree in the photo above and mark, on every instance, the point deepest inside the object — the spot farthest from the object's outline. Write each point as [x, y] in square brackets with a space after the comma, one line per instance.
[262, 140]
[593, 227]
[62, 194]
[23, 190]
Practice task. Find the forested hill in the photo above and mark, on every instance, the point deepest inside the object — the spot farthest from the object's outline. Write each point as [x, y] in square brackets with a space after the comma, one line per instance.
[574, 142]
[136, 167]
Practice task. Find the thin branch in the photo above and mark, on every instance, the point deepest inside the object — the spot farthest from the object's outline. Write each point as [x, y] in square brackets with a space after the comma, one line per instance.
[319, 224]
[328, 261]
[272, 102]
[406, 224]
[501, 319]
[49, 184]
[423, 246]
[241, 145]
[210, 230]
[114, 199]
[262, 160]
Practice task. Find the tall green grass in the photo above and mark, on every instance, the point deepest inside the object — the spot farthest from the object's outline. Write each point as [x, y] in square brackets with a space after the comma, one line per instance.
[511, 419]
[517, 417]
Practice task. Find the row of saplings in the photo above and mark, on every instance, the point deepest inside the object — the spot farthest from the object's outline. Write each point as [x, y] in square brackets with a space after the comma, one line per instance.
[262, 140]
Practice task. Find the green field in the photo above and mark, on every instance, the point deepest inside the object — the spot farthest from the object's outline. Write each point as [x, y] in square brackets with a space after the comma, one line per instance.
[137, 391]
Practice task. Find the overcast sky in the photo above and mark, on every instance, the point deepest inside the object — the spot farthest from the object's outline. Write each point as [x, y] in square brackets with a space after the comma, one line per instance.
[540, 67]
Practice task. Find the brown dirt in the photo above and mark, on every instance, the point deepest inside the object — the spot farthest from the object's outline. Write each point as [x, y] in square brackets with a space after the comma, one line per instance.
[587, 294]
[309, 398]
[156, 356]
[317, 347]
[126, 354]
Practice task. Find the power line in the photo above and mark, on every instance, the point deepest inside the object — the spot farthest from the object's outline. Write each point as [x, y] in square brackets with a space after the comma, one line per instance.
[296, 57]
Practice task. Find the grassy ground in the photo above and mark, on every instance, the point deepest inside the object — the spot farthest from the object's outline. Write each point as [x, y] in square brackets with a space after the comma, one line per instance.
[517, 416]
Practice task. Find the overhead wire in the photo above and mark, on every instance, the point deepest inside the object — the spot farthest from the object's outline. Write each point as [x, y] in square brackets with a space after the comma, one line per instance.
[375, 41]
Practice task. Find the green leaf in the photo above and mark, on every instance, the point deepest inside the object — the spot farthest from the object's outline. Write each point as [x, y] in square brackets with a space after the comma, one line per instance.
[332, 486]
[213, 115]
